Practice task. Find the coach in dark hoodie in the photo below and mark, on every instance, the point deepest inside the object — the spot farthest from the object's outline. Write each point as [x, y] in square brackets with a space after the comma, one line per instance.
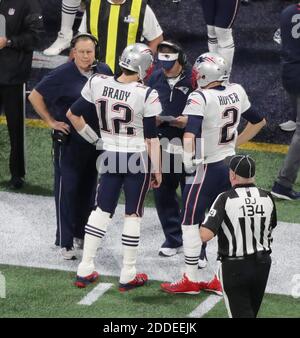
[173, 82]
[20, 27]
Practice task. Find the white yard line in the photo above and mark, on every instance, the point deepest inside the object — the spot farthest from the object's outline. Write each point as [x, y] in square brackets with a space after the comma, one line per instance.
[205, 306]
[95, 294]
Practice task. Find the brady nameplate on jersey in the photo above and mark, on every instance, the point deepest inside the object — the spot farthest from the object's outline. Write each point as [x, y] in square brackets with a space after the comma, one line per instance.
[116, 94]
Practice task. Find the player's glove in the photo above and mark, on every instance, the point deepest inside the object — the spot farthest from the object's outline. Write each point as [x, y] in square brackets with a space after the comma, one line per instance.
[190, 163]
[99, 144]
[59, 136]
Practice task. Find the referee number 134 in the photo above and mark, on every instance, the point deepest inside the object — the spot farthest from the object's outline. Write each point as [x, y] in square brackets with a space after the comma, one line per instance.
[250, 208]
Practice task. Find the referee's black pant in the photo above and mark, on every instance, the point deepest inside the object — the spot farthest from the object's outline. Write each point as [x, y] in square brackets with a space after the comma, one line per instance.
[244, 282]
[12, 103]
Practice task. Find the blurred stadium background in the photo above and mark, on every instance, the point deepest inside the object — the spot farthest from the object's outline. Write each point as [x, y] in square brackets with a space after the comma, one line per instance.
[256, 63]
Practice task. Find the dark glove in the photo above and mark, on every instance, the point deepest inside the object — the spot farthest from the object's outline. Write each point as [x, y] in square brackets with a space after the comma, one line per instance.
[59, 136]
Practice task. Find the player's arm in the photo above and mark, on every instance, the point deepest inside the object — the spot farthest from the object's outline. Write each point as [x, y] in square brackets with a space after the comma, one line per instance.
[193, 111]
[151, 110]
[255, 123]
[75, 115]
[153, 149]
[191, 146]
[39, 105]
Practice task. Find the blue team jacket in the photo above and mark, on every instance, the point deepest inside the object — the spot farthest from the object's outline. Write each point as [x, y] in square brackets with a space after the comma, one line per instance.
[172, 101]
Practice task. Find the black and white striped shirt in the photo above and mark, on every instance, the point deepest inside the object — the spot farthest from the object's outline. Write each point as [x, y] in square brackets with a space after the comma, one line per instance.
[243, 218]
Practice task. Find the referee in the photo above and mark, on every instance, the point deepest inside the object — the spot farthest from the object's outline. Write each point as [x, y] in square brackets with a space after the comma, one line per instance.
[243, 218]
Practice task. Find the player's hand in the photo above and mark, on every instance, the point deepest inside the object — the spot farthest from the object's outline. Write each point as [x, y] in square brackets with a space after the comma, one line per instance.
[180, 122]
[158, 121]
[62, 126]
[156, 179]
[3, 42]
[99, 144]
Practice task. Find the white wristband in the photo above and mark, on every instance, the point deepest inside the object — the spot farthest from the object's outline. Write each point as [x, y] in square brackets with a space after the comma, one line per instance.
[190, 163]
[88, 134]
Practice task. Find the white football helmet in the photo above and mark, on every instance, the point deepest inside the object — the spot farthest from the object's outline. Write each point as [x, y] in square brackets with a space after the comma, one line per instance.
[137, 58]
[210, 67]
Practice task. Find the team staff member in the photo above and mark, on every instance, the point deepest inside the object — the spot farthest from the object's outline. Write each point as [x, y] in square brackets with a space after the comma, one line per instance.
[290, 33]
[20, 26]
[118, 23]
[219, 17]
[174, 83]
[75, 171]
[243, 218]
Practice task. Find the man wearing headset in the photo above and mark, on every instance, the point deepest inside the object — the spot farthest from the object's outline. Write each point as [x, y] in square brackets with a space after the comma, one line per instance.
[173, 82]
[75, 171]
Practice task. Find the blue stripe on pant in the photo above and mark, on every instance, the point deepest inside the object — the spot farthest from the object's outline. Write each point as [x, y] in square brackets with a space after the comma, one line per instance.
[168, 208]
[202, 189]
[134, 184]
[75, 178]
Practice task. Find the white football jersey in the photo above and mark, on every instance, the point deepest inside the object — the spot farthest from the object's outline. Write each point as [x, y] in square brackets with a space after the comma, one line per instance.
[221, 111]
[121, 108]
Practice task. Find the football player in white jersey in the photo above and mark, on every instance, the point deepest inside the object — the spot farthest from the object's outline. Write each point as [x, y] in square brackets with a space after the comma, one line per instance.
[127, 113]
[214, 111]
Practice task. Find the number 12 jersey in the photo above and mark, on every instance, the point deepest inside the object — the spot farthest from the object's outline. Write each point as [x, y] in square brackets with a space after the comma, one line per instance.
[121, 108]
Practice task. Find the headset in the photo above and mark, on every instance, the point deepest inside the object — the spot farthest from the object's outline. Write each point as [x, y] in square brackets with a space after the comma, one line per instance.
[182, 58]
[91, 37]
[82, 35]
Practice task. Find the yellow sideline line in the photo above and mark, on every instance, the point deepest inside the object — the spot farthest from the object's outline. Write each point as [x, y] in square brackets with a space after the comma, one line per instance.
[265, 147]
[255, 146]
[36, 123]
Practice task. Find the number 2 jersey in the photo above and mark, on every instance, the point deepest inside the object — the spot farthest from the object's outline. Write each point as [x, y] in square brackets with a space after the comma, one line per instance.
[221, 109]
[121, 108]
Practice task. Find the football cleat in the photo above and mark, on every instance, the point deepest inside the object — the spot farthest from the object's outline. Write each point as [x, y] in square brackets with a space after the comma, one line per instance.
[168, 252]
[288, 125]
[139, 280]
[62, 42]
[183, 286]
[68, 254]
[284, 193]
[82, 282]
[16, 183]
[214, 286]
